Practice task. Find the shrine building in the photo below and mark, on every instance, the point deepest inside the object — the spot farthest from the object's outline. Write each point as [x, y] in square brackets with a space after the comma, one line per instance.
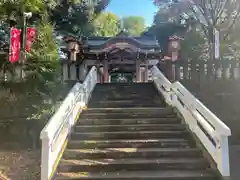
[119, 58]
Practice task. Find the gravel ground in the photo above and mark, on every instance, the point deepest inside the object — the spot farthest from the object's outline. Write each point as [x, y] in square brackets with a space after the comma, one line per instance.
[19, 165]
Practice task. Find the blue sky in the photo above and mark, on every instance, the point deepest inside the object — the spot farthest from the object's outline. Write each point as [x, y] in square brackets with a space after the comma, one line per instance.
[144, 8]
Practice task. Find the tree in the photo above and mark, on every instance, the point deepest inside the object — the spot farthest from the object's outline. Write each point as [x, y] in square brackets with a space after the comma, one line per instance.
[193, 46]
[11, 14]
[43, 61]
[219, 14]
[135, 25]
[76, 18]
[106, 24]
[165, 26]
[162, 32]
[4, 33]
[13, 9]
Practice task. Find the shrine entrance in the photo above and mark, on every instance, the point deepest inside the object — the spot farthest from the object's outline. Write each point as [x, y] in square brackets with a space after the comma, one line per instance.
[122, 73]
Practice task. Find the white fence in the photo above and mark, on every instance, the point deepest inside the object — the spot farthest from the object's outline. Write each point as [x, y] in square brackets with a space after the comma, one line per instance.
[211, 131]
[56, 131]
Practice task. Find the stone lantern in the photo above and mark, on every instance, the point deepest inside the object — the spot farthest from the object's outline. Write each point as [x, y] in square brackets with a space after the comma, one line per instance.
[174, 47]
[74, 49]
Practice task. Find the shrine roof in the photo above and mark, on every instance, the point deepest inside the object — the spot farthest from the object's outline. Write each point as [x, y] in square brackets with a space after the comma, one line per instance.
[143, 42]
[100, 44]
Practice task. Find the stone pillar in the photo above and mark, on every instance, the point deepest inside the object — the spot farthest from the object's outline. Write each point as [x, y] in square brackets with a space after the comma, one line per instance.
[146, 71]
[138, 71]
[65, 72]
[73, 72]
[98, 73]
[105, 71]
[82, 71]
[173, 51]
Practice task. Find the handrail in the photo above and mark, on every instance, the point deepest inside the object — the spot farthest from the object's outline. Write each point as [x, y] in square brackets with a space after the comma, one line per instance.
[162, 83]
[215, 121]
[55, 133]
[210, 130]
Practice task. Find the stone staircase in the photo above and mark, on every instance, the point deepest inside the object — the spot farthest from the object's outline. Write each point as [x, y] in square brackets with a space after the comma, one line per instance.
[129, 133]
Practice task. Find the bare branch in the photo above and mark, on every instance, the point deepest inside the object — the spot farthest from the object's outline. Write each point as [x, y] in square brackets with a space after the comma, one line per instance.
[221, 9]
[232, 24]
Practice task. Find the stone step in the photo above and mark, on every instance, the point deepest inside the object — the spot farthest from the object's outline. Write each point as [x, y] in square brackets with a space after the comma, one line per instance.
[112, 97]
[127, 127]
[128, 110]
[141, 110]
[112, 165]
[130, 143]
[130, 90]
[128, 135]
[126, 90]
[113, 105]
[127, 95]
[127, 114]
[141, 84]
[127, 121]
[126, 87]
[130, 101]
[141, 175]
[122, 153]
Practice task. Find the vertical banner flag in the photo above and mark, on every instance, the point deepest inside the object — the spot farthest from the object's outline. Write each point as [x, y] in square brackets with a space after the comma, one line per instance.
[31, 35]
[15, 39]
[217, 44]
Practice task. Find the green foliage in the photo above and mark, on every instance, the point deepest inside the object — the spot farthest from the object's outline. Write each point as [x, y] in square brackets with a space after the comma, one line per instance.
[76, 18]
[38, 93]
[168, 22]
[42, 63]
[207, 15]
[162, 31]
[106, 24]
[13, 9]
[135, 25]
[193, 45]
[4, 33]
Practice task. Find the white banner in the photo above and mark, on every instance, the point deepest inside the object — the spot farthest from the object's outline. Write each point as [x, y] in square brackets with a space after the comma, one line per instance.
[217, 44]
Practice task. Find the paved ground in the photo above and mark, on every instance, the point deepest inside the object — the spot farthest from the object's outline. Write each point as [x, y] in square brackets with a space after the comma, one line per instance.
[235, 162]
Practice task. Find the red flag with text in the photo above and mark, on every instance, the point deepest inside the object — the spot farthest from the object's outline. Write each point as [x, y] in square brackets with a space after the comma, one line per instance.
[31, 35]
[15, 40]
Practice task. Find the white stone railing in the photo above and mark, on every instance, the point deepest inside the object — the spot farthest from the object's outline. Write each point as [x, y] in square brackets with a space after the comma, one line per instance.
[210, 130]
[55, 133]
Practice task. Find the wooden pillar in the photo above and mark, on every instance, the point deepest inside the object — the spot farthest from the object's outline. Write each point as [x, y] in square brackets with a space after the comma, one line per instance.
[105, 71]
[138, 72]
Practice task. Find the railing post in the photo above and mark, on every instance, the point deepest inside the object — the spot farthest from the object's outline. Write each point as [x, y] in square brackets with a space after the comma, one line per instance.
[223, 156]
[82, 97]
[45, 158]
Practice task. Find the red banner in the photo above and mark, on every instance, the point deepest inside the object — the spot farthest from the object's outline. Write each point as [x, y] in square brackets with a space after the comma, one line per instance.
[31, 35]
[15, 40]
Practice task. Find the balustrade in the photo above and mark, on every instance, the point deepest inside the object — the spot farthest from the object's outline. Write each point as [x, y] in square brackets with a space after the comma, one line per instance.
[55, 133]
[210, 130]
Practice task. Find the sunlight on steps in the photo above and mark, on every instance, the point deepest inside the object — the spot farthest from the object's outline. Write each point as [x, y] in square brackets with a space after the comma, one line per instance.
[143, 136]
